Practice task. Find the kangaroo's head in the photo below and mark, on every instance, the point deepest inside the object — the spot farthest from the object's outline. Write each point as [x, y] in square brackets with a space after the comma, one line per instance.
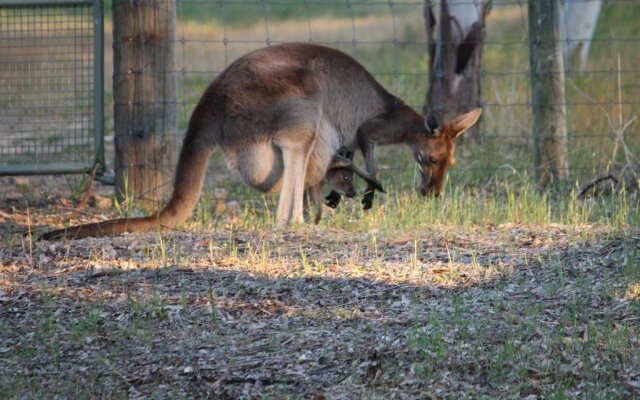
[341, 180]
[434, 149]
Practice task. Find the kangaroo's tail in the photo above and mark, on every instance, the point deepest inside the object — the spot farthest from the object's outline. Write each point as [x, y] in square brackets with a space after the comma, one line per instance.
[189, 179]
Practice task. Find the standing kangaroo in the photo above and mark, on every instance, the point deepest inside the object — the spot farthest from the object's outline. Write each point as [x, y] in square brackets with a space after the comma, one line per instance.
[279, 114]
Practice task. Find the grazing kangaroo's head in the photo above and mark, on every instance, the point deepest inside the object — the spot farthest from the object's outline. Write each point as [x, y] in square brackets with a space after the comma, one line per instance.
[434, 148]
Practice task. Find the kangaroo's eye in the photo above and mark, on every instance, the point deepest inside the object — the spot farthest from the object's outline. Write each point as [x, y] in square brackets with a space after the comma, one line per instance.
[346, 178]
[425, 159]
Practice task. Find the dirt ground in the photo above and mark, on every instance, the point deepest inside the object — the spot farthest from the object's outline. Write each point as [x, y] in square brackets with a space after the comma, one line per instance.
[312, 312]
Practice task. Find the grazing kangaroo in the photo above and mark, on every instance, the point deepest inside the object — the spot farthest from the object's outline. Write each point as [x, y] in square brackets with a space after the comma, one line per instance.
[279, 114]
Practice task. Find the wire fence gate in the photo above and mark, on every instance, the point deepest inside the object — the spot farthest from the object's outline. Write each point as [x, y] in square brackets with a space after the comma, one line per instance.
[51, 86]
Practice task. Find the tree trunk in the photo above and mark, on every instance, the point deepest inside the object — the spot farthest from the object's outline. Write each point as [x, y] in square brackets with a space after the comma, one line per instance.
[145, 105]
[455, 34]
[547, 91]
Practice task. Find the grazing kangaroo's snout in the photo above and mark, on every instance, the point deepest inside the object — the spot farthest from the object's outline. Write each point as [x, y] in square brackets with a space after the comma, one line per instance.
[434, 150]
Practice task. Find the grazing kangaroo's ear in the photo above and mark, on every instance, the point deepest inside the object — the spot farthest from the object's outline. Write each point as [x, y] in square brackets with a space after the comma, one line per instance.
[433, 123]
[463, 122]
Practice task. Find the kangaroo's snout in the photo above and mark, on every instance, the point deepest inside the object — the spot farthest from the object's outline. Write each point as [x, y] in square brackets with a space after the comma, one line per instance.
[350, 193]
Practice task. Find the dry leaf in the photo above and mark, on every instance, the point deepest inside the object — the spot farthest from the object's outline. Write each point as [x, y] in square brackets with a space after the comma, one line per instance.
[400, 240]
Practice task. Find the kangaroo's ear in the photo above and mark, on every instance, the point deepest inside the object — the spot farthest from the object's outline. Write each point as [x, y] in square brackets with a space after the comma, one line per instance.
[339, 161]
[374, 183]
[433, 123]
[367, 178]
[462, 122]
[358, 171]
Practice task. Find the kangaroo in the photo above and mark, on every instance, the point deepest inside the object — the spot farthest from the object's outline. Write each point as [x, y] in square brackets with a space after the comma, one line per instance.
[339, 177]
[279, 114]
[341, 182]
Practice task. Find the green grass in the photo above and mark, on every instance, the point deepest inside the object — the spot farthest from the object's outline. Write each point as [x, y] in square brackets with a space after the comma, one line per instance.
[512, 349]
[462, 207]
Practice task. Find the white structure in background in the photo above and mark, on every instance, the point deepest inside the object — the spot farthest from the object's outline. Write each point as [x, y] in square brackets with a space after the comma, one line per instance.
[465, 14]
[578, 21]
[466, 19]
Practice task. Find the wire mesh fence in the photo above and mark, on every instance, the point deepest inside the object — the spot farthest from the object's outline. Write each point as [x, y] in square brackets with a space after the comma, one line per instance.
[50, 95]
[389, 39]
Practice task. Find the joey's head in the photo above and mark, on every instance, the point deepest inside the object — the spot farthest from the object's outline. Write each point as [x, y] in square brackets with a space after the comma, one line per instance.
[434, 148]
[341, 180]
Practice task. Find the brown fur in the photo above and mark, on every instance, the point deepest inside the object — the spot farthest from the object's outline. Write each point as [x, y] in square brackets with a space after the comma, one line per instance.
[279, 114]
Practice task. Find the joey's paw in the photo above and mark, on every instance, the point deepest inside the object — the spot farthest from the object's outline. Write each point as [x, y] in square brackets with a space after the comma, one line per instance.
[367, 201]
[332, 203]
[332, 200]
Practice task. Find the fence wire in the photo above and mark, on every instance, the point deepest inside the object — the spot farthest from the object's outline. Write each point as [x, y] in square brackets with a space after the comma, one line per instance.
[389, 39]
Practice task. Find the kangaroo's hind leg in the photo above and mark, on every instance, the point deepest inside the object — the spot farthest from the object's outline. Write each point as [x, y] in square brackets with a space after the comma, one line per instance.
[295, 149]
[313, 199]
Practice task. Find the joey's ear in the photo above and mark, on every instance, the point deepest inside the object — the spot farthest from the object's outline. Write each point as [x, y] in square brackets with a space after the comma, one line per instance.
[463, 122]
[433, 123]
[376, 185]
[367, 178]
[339, 161]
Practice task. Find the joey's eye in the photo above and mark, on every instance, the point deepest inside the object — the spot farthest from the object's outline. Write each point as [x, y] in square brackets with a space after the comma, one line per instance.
[346, 178]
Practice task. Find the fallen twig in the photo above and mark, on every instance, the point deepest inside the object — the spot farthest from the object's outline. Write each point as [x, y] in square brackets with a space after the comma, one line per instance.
[83, 203]
[592, 184]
